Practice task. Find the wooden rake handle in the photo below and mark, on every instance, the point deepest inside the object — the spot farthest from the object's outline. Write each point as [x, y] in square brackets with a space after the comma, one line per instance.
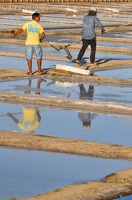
[107, 31]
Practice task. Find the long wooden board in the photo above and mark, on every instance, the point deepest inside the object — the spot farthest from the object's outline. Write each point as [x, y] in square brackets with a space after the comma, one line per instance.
[73, 69]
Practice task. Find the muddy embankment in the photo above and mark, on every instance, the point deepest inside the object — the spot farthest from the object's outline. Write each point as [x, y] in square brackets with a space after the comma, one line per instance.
[63, 76]
[62, 145]
[69, 104]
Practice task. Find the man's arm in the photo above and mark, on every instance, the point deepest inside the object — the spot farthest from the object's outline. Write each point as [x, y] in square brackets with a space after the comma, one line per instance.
[17, 33]
[42, 37]
[99, 24]
[13, 118]
[38, 116]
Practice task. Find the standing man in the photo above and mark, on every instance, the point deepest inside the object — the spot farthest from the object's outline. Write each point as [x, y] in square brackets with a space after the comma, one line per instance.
[35, 36]
[88, 35]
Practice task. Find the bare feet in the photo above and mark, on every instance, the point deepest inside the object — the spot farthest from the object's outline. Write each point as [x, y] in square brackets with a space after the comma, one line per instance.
[29, 73]
[42, 72]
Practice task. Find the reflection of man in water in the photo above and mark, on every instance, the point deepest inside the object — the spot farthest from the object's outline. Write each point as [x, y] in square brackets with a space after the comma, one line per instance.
[86, 118]
[31, 116]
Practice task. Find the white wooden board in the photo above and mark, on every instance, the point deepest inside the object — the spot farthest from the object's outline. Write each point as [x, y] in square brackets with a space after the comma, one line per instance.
[73, 69]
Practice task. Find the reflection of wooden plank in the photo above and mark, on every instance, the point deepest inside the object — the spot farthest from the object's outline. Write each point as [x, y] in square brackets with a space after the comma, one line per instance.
[73, 69]
[65, 84]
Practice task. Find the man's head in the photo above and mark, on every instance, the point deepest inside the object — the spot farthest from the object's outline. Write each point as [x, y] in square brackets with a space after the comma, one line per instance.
[36, 17]
[86, 125]
[92, 11]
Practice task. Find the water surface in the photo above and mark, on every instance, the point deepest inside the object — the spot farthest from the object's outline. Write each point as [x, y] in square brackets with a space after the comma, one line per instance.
[31, 172]
[72, 90]
[68, 124]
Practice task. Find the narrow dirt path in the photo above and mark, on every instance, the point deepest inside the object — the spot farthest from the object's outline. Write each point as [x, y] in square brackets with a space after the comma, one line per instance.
[62, 145]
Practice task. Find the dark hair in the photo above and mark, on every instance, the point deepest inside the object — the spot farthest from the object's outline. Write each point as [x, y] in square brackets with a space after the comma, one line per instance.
[34, 15]
[92, 13]
[86, 123]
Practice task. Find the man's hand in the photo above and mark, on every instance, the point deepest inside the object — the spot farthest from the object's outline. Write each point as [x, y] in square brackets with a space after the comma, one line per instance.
[17, 33]
[9, 114]
[103, 31]
[42, 37]
[13, 35]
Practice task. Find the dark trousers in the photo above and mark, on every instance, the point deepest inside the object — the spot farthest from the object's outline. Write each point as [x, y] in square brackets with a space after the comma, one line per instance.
[85, 45]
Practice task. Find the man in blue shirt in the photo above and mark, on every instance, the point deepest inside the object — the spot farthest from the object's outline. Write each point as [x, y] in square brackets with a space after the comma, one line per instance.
[89, 35]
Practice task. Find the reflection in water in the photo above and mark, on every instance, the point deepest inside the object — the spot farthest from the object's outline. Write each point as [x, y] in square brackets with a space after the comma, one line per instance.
[31, 116]
[86, 117]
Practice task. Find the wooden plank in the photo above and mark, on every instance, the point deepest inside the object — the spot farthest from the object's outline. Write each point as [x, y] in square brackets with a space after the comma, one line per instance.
[73, 69]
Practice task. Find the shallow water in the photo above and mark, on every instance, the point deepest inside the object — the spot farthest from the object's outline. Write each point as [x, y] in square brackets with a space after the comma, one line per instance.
[23, 49]
[20, 63]
[43, 19]
[10, 62]
[70, 124]
[107, 55]
[12, 48]
[117, 45]
[75, 90]
[20, 22]
[31, 172]
[124, 73]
